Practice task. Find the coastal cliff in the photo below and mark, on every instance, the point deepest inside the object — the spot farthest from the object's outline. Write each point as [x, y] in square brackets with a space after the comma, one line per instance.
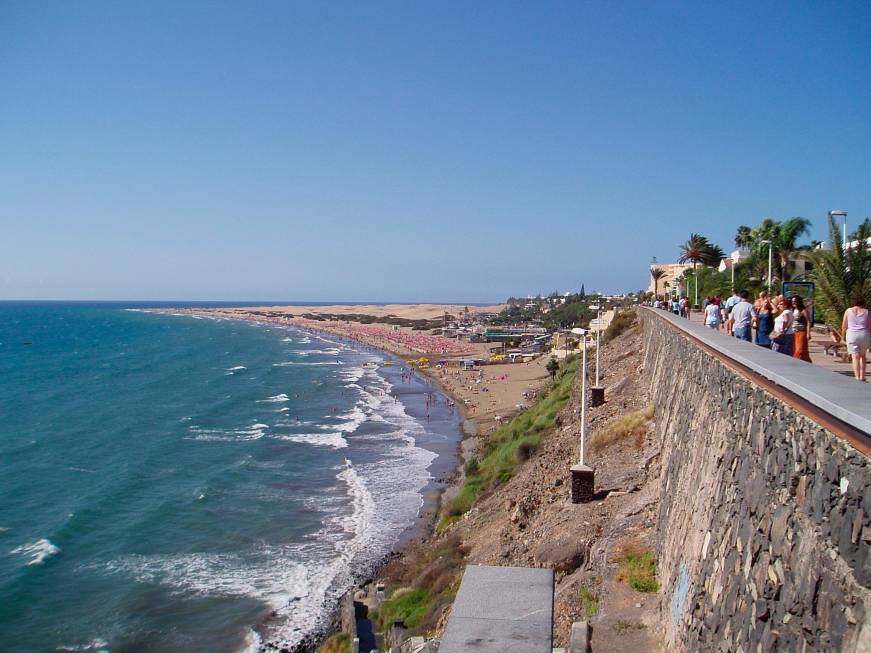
[526, 518]
[764, 525]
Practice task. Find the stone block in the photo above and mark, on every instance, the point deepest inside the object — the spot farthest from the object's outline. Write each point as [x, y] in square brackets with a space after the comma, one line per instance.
[583, 484]
[597, 396]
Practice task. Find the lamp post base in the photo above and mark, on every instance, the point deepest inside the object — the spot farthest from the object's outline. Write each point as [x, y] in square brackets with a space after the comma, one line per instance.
[597, 396]
[583, 485]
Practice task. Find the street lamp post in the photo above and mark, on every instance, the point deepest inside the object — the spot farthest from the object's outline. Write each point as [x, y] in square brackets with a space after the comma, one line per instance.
[582, 487]
[584, 398]
[769, 243]
[597, 392]
[598, 310]
[842, 214]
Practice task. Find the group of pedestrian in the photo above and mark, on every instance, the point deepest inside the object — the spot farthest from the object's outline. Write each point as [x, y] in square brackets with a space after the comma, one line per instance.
[781, 324]
[680, 307]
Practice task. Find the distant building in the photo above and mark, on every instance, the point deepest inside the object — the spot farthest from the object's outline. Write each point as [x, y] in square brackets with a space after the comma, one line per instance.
[673, 272]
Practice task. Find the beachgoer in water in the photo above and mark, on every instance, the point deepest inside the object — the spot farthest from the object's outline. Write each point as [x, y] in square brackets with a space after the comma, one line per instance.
[856, 326]
[801, 328]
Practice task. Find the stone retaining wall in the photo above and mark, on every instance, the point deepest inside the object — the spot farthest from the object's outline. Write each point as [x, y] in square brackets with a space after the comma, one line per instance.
[764, 525]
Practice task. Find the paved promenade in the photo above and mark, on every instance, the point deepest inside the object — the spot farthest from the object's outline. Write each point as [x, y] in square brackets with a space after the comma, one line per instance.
[818, 355]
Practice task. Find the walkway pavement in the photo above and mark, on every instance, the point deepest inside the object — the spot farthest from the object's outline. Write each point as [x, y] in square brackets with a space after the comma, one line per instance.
[501, 610]
[817, 352]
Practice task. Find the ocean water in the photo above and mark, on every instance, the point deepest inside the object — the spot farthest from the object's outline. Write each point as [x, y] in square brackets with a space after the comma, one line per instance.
[173, 483]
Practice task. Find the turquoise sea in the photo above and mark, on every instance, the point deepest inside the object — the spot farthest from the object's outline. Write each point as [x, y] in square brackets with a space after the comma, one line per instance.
[174, 483]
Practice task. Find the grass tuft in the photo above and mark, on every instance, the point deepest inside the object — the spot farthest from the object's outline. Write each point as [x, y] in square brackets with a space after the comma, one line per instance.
[632, 425]
[589, 600]
[637, 567]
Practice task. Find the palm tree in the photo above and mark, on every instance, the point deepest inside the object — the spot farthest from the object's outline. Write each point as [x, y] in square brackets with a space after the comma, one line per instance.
[699, 249]
[785, 241]
[841, 273]
[744, 236]
[694, 250]
[656, 273]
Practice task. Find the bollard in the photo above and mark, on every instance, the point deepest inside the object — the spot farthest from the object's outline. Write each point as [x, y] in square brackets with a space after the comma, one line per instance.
[597, 396]
[583, 485]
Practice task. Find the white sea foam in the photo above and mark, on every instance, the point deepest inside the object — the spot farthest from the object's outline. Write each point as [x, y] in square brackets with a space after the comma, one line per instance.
[252, 642]
[96, 645]
[296, 581]
[304, 363]
[287, 340]
[253, 432]
[334, 439]
[274, 399]
[37, 551]
[315, 352]
[238, 368]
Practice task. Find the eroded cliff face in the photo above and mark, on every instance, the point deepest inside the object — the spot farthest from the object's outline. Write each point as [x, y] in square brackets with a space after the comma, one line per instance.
[530, 520]
[763, 529]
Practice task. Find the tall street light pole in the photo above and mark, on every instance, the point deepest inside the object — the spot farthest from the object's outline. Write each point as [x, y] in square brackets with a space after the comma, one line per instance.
[582, 486]
[583, 397]
[841, 214]
[598, 310]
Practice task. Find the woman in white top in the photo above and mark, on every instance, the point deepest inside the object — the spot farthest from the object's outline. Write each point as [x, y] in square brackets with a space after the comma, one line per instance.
[857, 330]
[712, 316]
[782, 336]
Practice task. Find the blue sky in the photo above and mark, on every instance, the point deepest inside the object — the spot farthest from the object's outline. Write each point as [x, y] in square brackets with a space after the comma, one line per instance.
[409, 151]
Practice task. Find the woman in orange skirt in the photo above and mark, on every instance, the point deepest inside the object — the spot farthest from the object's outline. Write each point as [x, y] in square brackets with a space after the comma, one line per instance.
[801, 328]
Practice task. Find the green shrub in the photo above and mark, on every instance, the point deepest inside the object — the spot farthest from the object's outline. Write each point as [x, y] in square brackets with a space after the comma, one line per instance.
[339, 643]
[407, 606]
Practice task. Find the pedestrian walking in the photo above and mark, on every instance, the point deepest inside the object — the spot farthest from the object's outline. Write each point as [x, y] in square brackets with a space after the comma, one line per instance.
[801, 328]
[764, 322]
[856, 326]
[782, 336]
[712, 316]
[741, 316]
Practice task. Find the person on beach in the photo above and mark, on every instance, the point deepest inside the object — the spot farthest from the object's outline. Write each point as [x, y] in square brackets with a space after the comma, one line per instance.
[712, 316]
[764, 319]
[741, 316]
[801, 329]
[856, 327]
[782, 336]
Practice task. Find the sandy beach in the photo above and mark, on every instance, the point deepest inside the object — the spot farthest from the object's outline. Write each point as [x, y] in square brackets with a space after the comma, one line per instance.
[486, 394]
[404, 311]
